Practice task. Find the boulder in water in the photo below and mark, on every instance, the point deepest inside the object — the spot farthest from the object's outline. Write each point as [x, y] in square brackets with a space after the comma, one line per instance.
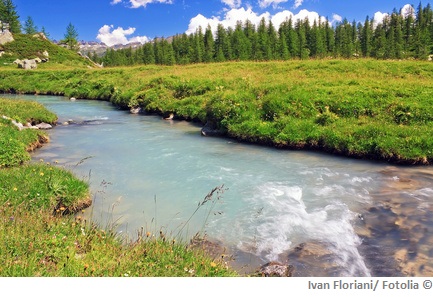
[276, 269]
[44, 126]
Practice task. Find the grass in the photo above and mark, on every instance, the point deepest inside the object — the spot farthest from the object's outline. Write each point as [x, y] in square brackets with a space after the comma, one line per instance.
[358, 108]
[27, 47]
[15, 144]
[42, 232]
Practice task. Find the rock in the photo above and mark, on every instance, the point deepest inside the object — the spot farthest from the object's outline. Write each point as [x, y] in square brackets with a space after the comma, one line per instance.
[38, 60]
[314, 254]
[135, 110]
[1, 53]
[210, 129]
[6, 37]
[73, 99]
[45, 54]
[44, 126]
[170, 116]
[40, 36]
[276, 269]
[18, 125]
[18, 62]
[27, 64]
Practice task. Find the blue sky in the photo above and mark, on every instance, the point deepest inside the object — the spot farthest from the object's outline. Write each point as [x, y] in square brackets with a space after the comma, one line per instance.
[123, 21]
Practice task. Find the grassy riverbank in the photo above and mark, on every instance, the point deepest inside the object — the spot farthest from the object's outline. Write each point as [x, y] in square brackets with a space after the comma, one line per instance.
[41, 236]
[358, 108]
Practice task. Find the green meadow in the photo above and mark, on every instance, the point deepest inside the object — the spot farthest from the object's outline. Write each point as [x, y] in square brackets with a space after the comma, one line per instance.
[358, 108]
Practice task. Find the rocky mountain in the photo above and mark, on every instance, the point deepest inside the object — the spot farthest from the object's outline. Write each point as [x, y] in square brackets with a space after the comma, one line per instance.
[100, 48]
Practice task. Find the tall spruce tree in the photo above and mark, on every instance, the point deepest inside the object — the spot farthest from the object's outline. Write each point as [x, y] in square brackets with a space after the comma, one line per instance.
[273, 41]
[209, 45]
[330, 38]
[222, 48]
[148, 53]
[366, 36]
[251, 34]
[9, 16]
[241, 46]
[30, 27]
[71, 38]
[283, 50]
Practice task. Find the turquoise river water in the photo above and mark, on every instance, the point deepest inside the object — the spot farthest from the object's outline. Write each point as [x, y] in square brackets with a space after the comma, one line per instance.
[325, 215]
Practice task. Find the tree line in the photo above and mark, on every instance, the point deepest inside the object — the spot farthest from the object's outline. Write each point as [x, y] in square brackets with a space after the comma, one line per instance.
[399, 36]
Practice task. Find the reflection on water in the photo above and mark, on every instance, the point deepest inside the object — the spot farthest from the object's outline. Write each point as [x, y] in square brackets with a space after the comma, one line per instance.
[325, 215]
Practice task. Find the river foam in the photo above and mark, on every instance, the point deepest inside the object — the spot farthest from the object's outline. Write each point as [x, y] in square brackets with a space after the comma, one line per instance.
[284, 221]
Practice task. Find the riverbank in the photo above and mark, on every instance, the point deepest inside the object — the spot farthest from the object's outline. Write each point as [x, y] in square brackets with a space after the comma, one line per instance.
[40, 236]
[366, 109]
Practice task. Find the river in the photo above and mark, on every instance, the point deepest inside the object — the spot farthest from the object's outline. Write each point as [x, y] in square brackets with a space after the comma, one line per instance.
[322, 214]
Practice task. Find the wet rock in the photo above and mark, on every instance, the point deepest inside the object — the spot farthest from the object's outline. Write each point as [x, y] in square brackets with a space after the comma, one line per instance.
[44, 126]
[211, 129]
[313, 254]
[276, 269]
[135, 110]
[169, 117]
[214, 249]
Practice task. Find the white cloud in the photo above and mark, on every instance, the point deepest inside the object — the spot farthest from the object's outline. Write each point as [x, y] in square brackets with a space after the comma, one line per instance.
[266, 3]
[379, 17]
[337, 18]
[298, 3]
[234, 15]
[408, 10]
[232, 3]
[139, 3]
[110, 36]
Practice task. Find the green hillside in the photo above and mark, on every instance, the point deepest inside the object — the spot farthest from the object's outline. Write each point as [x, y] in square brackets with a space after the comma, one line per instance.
[29, 47]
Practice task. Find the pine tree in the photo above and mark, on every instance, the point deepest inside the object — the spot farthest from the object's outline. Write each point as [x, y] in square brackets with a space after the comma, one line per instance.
[379, 42]
[30, 27]
[44, 31]
[421, 34]
[251, 35]
[366, 35]
[330, 38]
[301, 30]
[241, 46]
[197, 45]
[148, 53]
[408, 35]
[220, 44]
[272, 42]
[283, 50]
[9, 16]
[71, 38]
[209, 45]
[292, 38]
[344, 42]
[263, 49]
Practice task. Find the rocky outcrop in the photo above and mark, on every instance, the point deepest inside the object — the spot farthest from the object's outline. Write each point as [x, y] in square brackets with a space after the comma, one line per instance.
[20, 126]
[6, 37]
[40, 35]
[28, 64]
